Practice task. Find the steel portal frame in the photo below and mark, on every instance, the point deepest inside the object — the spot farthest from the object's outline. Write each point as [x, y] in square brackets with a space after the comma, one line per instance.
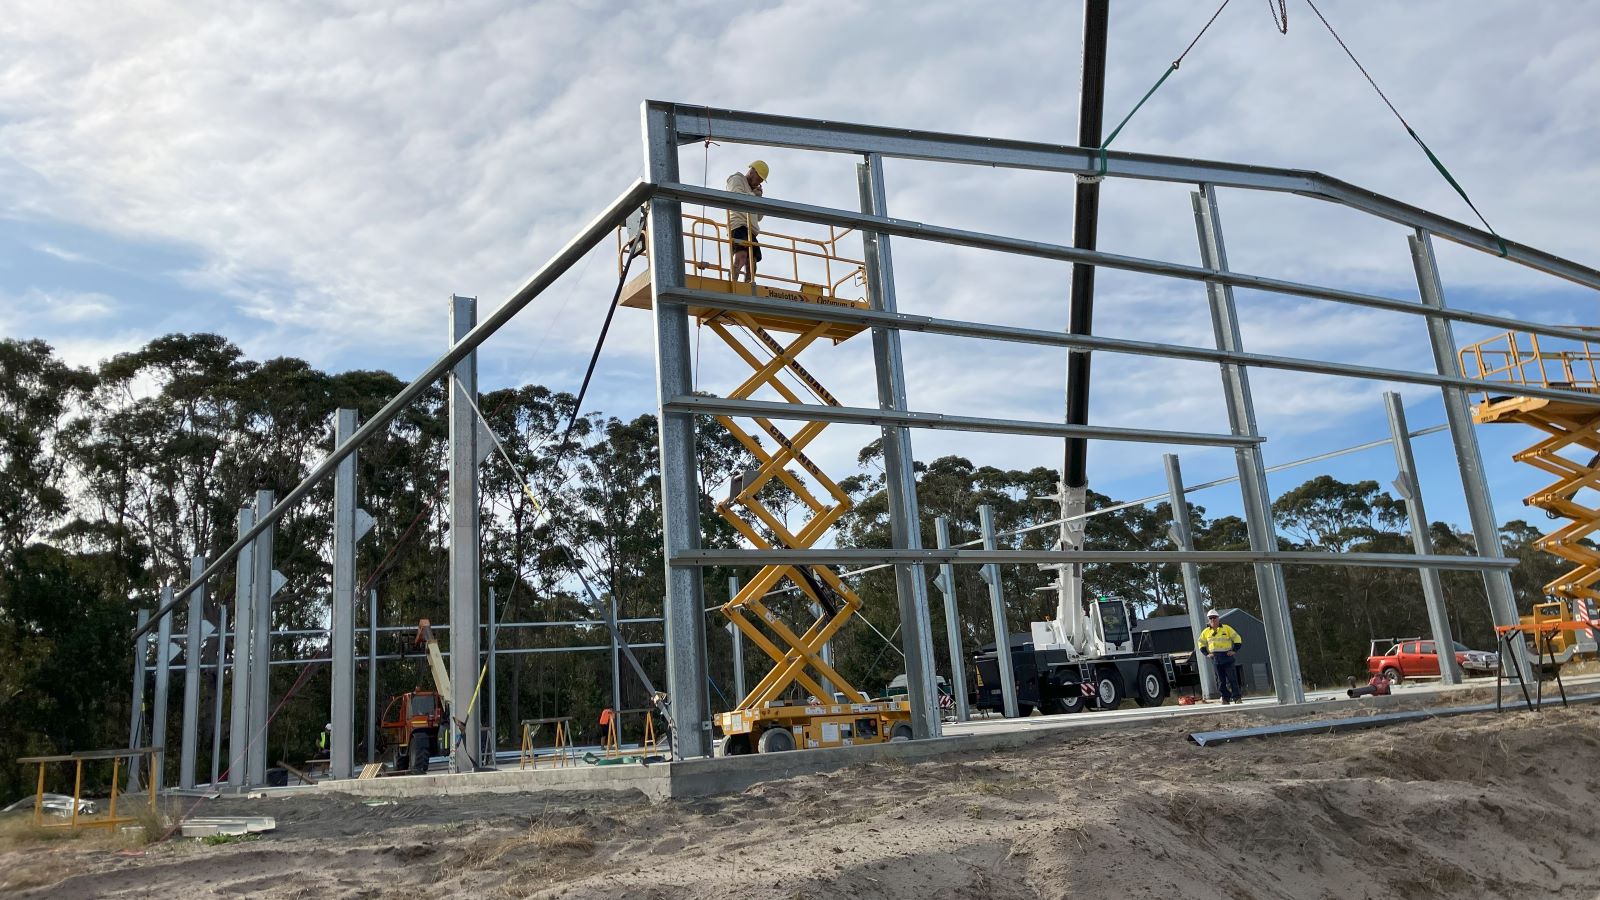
[669, 126]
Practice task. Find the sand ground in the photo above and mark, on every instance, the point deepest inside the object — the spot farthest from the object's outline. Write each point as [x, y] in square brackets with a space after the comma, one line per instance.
[1482, 805]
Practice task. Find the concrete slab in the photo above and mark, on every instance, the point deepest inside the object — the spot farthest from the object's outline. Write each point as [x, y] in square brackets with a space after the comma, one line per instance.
[706, 777]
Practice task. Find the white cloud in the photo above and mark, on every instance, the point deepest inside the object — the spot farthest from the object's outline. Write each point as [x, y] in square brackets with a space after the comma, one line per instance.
[340, 169]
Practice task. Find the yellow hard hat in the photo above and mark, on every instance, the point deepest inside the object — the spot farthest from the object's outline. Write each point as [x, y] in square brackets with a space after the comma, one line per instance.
[760, 166]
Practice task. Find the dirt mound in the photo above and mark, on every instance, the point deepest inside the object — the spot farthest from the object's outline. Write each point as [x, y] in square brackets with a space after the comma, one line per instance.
[1468, 806]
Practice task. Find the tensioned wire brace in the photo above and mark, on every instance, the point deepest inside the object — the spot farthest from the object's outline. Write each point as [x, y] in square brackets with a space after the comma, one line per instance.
[1155, 87]
[1437, 164]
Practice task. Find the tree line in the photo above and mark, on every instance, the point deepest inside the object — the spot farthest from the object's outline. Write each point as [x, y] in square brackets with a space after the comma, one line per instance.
[115, 476]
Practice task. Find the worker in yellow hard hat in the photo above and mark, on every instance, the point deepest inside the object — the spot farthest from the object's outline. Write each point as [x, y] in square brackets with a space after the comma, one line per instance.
[744, 228]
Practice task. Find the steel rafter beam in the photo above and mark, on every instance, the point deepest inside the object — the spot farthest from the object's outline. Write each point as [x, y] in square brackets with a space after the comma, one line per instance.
[961, 237]
[598, 229]
[696, 123]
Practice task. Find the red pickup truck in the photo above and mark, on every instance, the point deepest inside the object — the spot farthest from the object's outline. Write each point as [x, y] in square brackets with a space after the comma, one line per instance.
[1414, 657]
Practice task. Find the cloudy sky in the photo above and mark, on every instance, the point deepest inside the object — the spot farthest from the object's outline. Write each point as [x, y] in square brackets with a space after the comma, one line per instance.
[316, 179]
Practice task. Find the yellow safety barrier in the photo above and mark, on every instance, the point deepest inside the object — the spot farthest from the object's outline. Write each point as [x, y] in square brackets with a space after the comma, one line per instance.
[110, 819]
[561, 752]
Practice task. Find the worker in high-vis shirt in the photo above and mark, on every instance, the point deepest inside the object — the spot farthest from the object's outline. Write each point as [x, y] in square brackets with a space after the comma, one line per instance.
[1221, 643]
[745, 227]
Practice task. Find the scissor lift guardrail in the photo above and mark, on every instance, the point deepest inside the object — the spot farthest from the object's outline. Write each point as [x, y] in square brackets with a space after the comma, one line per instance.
[1509, 364]
[805, 272]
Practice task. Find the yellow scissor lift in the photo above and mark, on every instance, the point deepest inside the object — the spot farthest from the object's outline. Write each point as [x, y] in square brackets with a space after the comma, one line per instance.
[789, 708]
[1514, 360]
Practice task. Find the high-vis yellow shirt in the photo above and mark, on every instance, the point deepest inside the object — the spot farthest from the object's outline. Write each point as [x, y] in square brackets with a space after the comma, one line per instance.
[1220, 639]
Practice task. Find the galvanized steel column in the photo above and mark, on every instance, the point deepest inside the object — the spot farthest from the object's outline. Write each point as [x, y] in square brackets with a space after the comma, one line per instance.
[342, 621]
[680, 489]
[1411, 492]
[372, 675]
[239, 719]
[1183, 536]
[1474, 481]
[490, 705]
[158, 720]
[261, 591]
[905, 526]
[193, 643]
[952, 624]
[997, 609]
[1283, 656]
[141, 646]
[217, 693]
[464, 543]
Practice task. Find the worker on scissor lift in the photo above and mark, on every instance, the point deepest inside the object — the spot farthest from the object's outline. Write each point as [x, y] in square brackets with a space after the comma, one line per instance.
[744, 227]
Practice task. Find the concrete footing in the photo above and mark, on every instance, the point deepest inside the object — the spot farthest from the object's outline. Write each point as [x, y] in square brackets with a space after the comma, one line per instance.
[707, 777]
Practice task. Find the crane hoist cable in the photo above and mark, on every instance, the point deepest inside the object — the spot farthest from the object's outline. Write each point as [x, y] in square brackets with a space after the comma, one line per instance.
[1409, 130]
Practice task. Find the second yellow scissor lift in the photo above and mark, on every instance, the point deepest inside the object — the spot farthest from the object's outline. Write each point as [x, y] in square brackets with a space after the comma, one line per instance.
[792, 706]
[1512, 360]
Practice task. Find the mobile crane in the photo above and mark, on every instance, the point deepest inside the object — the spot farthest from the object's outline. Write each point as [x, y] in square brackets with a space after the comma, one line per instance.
[1082, 660]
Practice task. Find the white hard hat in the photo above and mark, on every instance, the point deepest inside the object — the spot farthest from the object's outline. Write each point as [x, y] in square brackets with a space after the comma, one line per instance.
[329, 727]
[1212, 613]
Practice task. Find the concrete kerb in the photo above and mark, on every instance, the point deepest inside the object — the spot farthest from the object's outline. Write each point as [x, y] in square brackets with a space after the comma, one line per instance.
[708, 777]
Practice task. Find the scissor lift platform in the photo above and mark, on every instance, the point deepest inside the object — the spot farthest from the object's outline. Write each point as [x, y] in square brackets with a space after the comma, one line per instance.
[802, 703]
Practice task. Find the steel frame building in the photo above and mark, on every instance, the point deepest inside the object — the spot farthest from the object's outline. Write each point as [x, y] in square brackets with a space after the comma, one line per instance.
[669, 126]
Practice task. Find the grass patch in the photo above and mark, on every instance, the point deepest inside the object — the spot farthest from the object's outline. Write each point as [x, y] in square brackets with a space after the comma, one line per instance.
[217, 840]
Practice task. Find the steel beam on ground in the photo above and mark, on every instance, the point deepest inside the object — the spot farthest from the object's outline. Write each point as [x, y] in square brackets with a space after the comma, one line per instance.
[696, 123]
[217, 693]
[979, 240]
[243, 619]
[464, 543]
[1183, 536]
[1411, 491]
[262, 588]
[911, 587]
[1042, 337]
[680, 489]
[952, 624]
[1282, 655]
[158, 720]
[997, 611]
[193, 644]
[342, 621]
[597, 230]
[855, 415]
[1469, 459]
[141, 646]
[372, 675]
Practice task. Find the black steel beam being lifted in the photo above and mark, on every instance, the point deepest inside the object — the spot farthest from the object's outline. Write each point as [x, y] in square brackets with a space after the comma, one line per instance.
[1085, 226]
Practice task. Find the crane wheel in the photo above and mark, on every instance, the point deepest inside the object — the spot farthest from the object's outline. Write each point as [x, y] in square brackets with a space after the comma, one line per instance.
[900, 732]
[1070, 702]
[775, 740]
[1109, 690]
[1152, 686]
[734, 745]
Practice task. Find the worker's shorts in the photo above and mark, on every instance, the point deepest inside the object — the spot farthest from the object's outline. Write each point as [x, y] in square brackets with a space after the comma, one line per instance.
[741, 241]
